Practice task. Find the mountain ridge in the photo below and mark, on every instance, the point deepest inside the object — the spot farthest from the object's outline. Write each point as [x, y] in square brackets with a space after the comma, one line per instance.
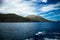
[17, 18]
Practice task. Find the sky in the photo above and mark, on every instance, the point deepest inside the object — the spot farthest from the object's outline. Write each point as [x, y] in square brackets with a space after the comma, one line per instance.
[48, 9]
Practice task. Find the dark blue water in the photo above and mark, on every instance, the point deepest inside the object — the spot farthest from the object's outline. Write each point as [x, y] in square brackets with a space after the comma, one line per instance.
[21, 31]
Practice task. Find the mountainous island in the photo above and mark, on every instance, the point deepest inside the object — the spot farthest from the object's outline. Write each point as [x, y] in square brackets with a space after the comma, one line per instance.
[17, 18]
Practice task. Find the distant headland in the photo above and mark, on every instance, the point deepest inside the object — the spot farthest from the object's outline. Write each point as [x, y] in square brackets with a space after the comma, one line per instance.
[16, 18]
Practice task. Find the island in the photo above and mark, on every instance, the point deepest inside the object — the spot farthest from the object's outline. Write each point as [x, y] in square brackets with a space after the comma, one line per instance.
[10, 17]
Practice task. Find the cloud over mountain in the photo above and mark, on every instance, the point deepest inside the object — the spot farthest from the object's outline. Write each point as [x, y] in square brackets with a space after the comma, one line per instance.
[30, 7]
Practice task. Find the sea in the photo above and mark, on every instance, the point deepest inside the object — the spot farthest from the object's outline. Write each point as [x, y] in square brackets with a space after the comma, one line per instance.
[30, 31]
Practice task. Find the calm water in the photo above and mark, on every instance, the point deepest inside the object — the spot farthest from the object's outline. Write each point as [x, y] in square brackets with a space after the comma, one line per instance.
[21, 31]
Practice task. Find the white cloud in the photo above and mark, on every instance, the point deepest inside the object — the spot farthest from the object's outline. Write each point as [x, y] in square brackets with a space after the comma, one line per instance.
[48, 8]
[18, 7]
[23, 8]
[47, 14]
[33, 0]
[39, 1]
[43, 1]
[53, 16]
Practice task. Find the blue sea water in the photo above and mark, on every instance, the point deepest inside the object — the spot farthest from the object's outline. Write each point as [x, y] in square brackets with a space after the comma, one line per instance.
[22, 31]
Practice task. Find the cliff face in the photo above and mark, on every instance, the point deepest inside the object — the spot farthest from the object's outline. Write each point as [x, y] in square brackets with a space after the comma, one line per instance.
[17, 18]
[36, 18]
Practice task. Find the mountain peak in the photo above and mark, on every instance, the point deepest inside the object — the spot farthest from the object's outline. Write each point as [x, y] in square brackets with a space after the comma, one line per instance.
[36, 18]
